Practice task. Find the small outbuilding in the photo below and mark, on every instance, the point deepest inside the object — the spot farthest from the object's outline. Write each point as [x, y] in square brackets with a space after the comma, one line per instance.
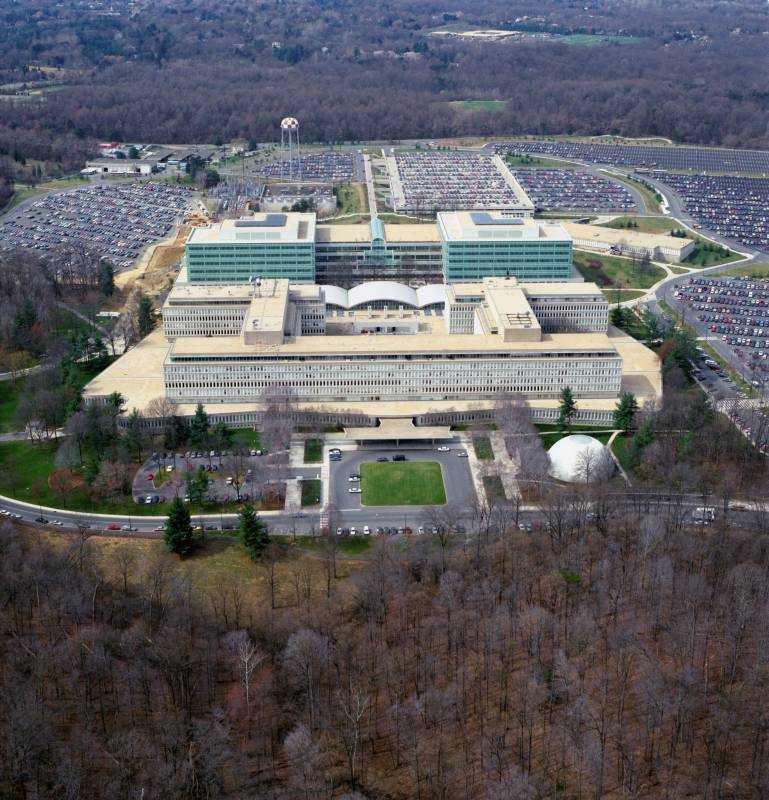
[580, 459]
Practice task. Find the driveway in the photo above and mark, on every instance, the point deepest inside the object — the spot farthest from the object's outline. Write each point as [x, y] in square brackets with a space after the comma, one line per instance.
[456, 477]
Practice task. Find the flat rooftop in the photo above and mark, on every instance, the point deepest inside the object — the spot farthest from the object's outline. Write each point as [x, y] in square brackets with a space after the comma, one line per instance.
[138, 376]
[361, 233]
[477, 289]
[610, 236]
[361, 344]
[276, 228]
[463, 226]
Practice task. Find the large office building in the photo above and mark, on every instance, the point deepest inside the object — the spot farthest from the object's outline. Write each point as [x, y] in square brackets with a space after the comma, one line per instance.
[477, 244]
[459, 246]
[264, 245]
[383, 350]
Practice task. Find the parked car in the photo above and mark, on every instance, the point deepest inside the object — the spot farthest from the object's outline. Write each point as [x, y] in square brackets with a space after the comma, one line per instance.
[444, 448]
[399, 457]
[354, 490]
[462, 453]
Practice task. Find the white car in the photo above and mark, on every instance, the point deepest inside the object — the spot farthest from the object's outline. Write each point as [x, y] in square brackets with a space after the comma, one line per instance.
[444, 448]
[354, 490]
[160, 528]
[57, 522]
[462, 453]
[366, 530]
[353, 478]
[353, 531]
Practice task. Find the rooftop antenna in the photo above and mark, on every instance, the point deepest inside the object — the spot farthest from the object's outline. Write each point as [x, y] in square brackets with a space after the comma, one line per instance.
[291, 165]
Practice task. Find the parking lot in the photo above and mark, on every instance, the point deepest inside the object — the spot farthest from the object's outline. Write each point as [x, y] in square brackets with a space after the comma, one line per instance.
[251, 475]
[698, 159]
[563, 189]
[115, 220]
[730, 206]
[457, 479]
[333, 167]
[449, 181]
[736, 312]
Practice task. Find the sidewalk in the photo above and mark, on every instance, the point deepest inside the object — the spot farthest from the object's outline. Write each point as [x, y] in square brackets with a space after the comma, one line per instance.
[508, 469]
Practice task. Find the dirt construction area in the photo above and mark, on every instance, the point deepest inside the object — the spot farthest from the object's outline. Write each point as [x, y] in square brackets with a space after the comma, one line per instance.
[158, 265]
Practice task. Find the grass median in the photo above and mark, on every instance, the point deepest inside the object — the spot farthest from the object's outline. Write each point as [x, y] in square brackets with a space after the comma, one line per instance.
[402, 483]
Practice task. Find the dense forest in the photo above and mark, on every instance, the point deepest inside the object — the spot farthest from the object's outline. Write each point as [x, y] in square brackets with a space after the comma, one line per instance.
[614, 651]
[203, 72]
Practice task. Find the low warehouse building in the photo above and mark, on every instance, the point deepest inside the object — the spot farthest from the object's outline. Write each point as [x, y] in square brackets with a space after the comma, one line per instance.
[626, 241]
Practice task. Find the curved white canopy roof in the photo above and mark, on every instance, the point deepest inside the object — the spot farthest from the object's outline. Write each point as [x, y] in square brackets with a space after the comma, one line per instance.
[379, 291]
[580, 459]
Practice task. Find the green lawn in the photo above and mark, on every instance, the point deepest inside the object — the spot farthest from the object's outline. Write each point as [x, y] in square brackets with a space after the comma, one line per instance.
[620, 448]
[549, 439]
[161, 476]
[642, 224]
[402, 483]
[313, 451]
[612, 271]
[24, 470]
[310, 492]
[483, 449]
[623, 295]
[493, 487]
[491, 106]
[349, 546]
[650, 196]
[750, 269]
[246, 437]
[544, 427]
[594, 39]
[537, 161]
[10, 394]
[708, 254]
[350, 199]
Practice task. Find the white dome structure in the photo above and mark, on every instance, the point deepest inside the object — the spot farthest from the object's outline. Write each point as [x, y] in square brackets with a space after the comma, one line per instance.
[580, 459]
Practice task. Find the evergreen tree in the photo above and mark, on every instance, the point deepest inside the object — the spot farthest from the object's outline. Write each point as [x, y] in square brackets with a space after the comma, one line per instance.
[253, 532]
[618, 316]
[106, 278]
[146, 318]
[178, 534]
[198, 483]
[23, 323]
[199, 428]
[176, 433]
[567, 408]
[624, 413]
[222, 435]
[134, 436]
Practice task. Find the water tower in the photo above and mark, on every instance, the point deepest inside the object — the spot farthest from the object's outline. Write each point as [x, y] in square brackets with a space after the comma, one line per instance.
[291, 164]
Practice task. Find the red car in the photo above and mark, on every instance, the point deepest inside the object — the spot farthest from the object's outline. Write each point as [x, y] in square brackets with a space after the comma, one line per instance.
[113, 526]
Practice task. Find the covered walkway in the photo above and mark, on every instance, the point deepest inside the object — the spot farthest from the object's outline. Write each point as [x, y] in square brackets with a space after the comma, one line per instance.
[397, 431]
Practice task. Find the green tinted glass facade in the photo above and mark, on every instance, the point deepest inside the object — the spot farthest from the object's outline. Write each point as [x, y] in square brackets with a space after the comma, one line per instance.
[525, 259]
[239, 262]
